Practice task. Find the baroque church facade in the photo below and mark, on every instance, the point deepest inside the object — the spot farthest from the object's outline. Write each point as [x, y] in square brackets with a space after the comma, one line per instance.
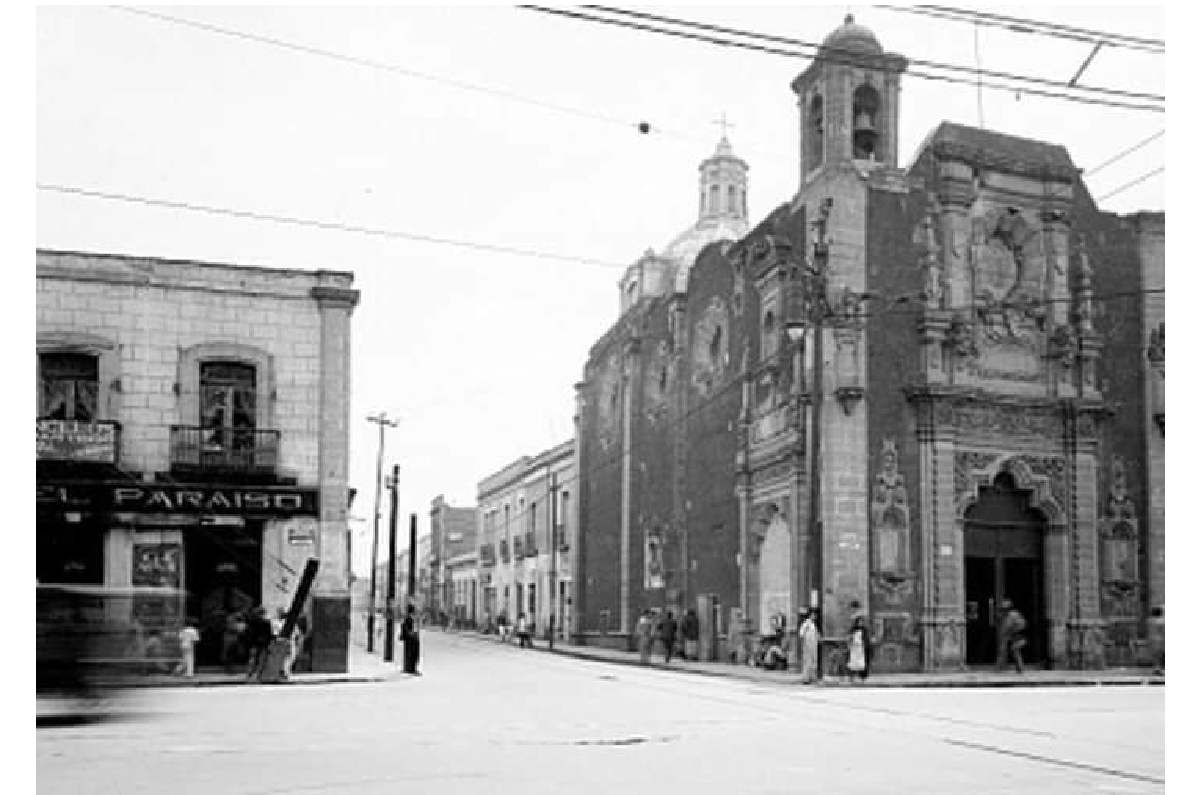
[910, 393]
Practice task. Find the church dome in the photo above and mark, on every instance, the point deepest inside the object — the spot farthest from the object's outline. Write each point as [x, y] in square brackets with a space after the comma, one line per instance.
[852, 37]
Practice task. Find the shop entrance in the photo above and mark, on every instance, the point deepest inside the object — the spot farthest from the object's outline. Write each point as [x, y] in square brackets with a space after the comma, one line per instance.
[223, 577]
[1003, 543]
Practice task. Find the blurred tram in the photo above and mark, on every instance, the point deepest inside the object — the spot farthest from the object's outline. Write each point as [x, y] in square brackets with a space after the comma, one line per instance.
[92, 640]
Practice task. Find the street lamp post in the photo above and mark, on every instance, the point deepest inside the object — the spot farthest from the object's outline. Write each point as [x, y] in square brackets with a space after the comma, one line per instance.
[380, 419]
[808, 305]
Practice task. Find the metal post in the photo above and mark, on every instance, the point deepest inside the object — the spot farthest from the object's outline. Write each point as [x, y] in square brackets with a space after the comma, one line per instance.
[389, 641]
[412, 556]
[553, 550]
[383, 422]
[818, 307]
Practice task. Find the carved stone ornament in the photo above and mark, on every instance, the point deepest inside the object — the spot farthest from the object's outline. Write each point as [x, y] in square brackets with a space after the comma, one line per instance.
[1005, 421]
[890, 512]
[1044, 477]
[960, 337]
[1120, 504]
[710, 346]
[930, 255]
[1008, 266]
[1064, 346]
[966, 465]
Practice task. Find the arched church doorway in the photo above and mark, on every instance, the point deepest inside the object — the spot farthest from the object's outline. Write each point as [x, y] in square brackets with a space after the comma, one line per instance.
[1003, 559]
[775, 565]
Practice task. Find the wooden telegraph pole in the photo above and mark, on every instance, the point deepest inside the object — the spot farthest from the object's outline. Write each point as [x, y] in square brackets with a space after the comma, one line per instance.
[389, 643]
[553, 551]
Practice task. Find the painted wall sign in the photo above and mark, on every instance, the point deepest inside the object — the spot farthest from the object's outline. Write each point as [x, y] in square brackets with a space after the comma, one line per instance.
[73, 440]
[158, 498]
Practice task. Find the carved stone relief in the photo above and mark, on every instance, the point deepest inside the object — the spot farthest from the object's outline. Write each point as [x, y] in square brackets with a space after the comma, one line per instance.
[890, 513]
[1119, 538]
[710, 347]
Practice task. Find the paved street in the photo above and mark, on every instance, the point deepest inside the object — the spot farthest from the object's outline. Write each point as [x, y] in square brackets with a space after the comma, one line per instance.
[490, 718]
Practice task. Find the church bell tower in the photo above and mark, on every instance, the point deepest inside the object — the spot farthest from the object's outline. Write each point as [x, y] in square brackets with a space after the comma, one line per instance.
[849, 100]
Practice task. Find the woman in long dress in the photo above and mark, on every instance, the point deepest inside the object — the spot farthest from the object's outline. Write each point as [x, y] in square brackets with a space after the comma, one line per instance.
[857, 664]
[810, 639]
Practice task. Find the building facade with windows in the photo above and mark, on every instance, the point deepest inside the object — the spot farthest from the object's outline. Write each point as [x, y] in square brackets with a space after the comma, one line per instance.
[193, 432]
[453, 548]
[908, 393]
[526, 527]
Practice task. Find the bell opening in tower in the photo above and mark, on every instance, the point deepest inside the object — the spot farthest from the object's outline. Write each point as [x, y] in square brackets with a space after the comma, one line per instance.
[866, 129]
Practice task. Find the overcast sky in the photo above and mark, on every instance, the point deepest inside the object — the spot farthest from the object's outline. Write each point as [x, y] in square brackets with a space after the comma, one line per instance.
[477, 351]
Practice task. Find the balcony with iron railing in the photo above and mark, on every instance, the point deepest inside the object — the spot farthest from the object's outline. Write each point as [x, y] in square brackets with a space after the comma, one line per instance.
[78, 441]
[224, 451]
[504, 551]
[531, 549]
[487, 555]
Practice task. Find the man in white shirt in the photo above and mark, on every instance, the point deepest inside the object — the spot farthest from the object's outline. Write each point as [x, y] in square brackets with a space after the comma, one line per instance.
[189, 636]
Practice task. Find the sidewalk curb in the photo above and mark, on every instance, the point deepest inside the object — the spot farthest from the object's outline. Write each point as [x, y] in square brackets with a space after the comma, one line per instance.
[1084, 680]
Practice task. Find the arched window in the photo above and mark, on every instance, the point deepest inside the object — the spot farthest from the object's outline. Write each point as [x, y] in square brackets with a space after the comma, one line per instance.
[816, 132]
[866, 127]
[731, 207]
[769, 336]
[714, 199]
[702, 201]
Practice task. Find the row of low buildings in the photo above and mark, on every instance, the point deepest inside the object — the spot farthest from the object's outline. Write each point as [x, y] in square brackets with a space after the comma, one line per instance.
[912, 393]
[192, 434]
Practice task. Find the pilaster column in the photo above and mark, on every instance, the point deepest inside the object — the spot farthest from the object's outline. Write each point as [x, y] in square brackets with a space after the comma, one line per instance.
[331, 591]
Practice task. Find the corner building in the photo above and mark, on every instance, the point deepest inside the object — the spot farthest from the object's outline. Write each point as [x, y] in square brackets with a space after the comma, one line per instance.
[984, 421]
[193, 433]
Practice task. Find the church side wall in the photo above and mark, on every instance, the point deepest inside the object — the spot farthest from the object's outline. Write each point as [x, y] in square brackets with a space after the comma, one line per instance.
[893, 361]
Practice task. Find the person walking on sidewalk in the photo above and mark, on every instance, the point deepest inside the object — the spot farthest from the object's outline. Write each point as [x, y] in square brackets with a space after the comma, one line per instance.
[1012, 637]
[690, 629]
[409, 634]
[669, 628]
[645, 636]
[857, 642]
[810, 640]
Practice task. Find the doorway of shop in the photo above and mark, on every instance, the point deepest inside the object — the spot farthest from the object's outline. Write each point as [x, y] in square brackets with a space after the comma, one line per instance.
[1003, 559]
[223, 577]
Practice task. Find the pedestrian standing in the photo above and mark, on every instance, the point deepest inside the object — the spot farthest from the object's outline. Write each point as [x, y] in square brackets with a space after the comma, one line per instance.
[810, 640]
[690, 629]
[1012, 637]
[857, 662]
[258, 639]
[189, 636]
[523, 631]
[645, 636]
[669, 628]
[412, 642]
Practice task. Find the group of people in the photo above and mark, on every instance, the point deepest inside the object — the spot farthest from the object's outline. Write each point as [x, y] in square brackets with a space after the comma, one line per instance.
[670, 633]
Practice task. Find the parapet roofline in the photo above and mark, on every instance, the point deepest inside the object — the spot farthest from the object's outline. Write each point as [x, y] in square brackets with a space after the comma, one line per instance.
[138, 258]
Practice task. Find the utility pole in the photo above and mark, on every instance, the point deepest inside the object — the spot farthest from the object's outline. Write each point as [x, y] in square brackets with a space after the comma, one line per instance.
[381, 419]
[389, 642]
[553, 550]
[412, 556]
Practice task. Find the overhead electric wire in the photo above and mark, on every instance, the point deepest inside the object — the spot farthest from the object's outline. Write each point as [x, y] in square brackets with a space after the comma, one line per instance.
[1132, 183]
[823, 51]
[1033, 27]
[378, 65]
[1122, 154]
[319, 224]
[793, 54]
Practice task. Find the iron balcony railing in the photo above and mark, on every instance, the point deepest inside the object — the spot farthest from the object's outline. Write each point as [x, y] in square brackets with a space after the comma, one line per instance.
[78, 441]
[242, 450]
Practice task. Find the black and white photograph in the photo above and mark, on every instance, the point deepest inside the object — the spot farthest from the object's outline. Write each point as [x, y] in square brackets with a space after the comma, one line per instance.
[552, 398]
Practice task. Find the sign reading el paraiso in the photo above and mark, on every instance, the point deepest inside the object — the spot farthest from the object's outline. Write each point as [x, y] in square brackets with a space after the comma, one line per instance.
[158, 498]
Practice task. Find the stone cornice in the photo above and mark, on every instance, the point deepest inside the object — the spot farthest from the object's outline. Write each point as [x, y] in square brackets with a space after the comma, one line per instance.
[963, 153]
[335, 296]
